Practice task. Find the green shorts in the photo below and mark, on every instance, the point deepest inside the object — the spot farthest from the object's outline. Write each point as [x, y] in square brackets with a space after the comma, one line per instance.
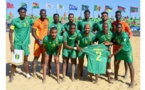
[81, 54]
[127, 56]
[22, 47]
[69, 53]
[52, 52]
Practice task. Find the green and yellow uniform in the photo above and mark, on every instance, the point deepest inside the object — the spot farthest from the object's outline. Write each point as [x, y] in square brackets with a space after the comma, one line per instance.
[70, 39]
[97, 58]
[98, 25]
[51, 45]
[85, 41]
[59, 27]
[21, 33]
[81, 24]
[126, 52]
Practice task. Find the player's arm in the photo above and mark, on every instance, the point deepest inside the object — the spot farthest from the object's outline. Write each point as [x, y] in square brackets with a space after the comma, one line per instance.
[11, 40]
[12, 27]
[128, 30]
[116, 51]
[59, 49]
[69, 47]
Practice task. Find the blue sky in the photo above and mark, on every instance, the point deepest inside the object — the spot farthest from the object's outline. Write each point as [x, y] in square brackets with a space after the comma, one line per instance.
[78, 3]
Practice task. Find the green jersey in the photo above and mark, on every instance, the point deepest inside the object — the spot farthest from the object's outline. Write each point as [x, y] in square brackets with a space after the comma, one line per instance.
[59, 27]
[66, 26]
[101, 37]
[81, 24]
[123, 39]
[70, 39]
[98, 26]
[21, 30]
[86, 40]
[97, 58]
[52, 44]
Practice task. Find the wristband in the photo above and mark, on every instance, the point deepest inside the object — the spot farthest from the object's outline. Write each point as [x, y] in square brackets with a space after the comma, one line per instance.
[75, 48]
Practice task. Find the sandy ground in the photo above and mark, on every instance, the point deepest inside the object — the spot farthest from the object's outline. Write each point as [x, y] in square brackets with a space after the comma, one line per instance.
[22, 83]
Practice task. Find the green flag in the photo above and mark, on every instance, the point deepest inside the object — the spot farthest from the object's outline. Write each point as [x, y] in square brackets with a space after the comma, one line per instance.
[97, 8]
[85, 7]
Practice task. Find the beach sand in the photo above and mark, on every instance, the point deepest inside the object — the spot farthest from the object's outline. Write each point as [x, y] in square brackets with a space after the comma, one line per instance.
[22, 83]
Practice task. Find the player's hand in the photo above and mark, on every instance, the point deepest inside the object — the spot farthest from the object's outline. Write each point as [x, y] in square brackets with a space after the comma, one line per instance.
[110, 56]
[12, 48]
[41, 43]
[78, 48]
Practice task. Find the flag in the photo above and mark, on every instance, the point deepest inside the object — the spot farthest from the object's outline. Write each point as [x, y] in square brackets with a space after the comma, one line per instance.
[85, 7]
[120, 8]
[48, 6]
[24, 5]
[108, 8]
[10, 5]
[72, 7]
[35, 5]
[97, 8]
[59, 6]
[133, 9]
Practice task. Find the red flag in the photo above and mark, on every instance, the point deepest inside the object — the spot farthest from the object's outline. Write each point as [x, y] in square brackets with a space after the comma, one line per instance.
[10, 5]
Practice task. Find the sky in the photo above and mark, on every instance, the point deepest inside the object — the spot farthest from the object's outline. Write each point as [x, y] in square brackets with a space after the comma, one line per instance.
[77, 3]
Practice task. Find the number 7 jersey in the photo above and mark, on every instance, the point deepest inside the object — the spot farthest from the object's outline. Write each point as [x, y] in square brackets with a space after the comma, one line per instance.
[97, 58]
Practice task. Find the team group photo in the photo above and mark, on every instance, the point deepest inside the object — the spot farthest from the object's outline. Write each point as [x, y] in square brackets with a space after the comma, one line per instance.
[76, 45]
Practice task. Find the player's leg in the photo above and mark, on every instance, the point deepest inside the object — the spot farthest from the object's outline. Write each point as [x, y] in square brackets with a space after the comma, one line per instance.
[109, 71]
[26, 64]
[34, 65]
[49, 65]
[80, 64]
[131, 68]
[56, 58]
[13, 68]
[129, 60]
[45, 63]
[96, 78]
[117, 62]
[126, 69]
[73, 65]
[65, 59]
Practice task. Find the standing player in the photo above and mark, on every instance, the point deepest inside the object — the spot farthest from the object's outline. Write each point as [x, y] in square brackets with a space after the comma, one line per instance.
[98, 26]
[123, 53]
[39, 31]
[57, 24]
[101, 37]
[52, 45]
[125, 28]
[71, 20]
[21, 28]
[86, 38]
[69, 39]
[86, 20]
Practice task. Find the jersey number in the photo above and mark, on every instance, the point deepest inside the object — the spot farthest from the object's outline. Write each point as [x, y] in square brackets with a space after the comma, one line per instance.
[99, 55]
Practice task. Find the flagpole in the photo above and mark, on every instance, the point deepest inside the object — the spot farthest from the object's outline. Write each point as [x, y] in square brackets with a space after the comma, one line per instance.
[81, 12]
[32, 10]
[56, 10]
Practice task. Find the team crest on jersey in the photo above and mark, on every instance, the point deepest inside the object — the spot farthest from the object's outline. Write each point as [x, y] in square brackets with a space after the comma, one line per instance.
[53, 45]
[49, 42]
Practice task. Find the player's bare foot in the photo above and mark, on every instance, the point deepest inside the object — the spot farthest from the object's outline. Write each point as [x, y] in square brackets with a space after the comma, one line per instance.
[73, 79]
[125, 76]
[95, 81]
[11, 78]
[44, 80]
[63, 79]
[34, 75]
[58, 81]
[131, 85]
[110, 81]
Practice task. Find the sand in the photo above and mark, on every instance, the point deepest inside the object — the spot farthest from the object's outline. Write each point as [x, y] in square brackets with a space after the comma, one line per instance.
[22, 83]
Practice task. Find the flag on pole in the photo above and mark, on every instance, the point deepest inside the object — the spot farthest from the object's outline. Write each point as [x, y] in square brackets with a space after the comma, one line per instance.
[108, 8]
[85, 7]
[120, 8]
[10, 14]
[10, 5]
[24, 5]
[48, 6]
[133, 9]
[59, 6]
[97, 8]
[72, 7]
[35, 5]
